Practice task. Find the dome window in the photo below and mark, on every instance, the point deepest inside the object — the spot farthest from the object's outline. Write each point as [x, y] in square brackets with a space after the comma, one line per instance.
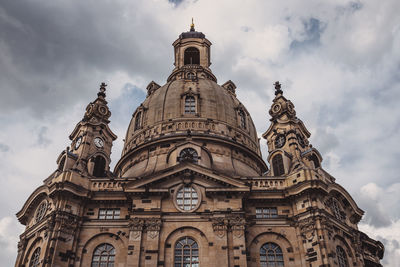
[99, 166]
[242, 116]
[188, 155]
[138, 120]
[277, 165]
[192, 56]
[190, 105]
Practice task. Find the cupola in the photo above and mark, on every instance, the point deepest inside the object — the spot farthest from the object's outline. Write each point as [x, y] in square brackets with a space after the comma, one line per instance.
[192, 48]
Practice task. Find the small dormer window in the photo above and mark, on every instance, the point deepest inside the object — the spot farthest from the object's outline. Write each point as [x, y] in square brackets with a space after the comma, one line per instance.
[190, 105]
[242, 116]
[188, 155]
[192, 56]
[138, 120]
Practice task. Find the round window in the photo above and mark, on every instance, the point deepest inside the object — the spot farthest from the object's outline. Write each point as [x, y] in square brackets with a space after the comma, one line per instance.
[187, 198]
[41, 211]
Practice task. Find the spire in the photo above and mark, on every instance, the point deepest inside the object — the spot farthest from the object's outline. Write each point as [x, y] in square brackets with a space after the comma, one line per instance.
[98, 111]
[281, 108]
[192, 26]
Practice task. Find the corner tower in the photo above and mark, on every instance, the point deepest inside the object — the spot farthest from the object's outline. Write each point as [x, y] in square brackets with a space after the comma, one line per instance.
[287, 139]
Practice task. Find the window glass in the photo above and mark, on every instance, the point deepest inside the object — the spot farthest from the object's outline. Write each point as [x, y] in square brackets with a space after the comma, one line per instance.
[271, 255]
[186, 253]
[190, 105]
[35, 258]
[265, 213]
[109, 214]
[41, 211]
[103, 256]
[187, 198]
[341, 257]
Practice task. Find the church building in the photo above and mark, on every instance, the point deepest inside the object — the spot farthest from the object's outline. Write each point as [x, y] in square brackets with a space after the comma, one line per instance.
[191, 188]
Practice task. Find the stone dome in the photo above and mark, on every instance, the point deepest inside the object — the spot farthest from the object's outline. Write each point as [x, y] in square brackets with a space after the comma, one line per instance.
[191, 111]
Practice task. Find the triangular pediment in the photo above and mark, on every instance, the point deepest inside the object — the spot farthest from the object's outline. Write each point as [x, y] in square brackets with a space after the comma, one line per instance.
[167, 178]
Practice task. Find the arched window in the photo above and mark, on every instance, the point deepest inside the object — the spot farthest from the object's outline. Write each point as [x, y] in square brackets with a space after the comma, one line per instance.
[138, 120]
[315, 160]
[277, 165]
[271, 255]
[103, 256]
[187, 198]
[35, 258]
[99, 166]
[192, 56]
[341, 257]
[188, 154]
[242, 116]
[337, 211]
[190, 105]
[186, 253]
[41, 211]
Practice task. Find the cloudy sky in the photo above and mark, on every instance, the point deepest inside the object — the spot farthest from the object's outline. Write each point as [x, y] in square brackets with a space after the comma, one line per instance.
[337, 60]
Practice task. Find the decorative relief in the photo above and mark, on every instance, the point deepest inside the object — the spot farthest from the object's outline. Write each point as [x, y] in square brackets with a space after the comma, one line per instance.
[67, 222]
[307, 228]
[153, 226]
[136, 226]
[220, 226]
[236, 224]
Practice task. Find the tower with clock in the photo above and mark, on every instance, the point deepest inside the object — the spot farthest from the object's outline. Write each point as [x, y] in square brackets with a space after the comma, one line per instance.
[191, 187]
[91, 140]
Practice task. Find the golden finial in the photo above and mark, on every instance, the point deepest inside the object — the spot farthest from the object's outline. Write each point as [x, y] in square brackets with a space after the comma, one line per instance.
[192, 26]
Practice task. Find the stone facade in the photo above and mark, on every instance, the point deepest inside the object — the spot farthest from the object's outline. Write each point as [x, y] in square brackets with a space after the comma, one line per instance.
[191, 187]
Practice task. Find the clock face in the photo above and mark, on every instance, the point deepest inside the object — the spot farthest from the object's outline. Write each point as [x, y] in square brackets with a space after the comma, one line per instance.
[280, 141]
[78, 142]
[98, 142]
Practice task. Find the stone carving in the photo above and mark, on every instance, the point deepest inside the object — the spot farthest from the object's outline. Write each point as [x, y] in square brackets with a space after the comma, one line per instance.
[136, 227]
[153, 226]
[307, 228]
[220, 226]
[237, 225]
[67, 222]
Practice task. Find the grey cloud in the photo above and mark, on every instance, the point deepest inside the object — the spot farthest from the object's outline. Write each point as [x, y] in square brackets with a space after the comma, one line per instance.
[313, 28]
[42, 139]
[51, 54]
[4, 147]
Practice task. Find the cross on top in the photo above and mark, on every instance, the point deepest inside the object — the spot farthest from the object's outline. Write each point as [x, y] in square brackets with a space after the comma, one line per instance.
[278, 88]
[102, 90]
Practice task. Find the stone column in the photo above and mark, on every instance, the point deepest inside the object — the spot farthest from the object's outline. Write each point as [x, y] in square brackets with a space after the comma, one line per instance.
[151, 246]
[135, 241]
[220, 228]
[237, 225]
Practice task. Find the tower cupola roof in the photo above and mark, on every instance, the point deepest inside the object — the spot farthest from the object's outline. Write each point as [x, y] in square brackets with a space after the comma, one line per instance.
[192, 33]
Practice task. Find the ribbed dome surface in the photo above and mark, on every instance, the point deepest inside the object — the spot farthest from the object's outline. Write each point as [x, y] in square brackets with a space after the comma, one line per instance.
[191, 116]
[214, 103]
